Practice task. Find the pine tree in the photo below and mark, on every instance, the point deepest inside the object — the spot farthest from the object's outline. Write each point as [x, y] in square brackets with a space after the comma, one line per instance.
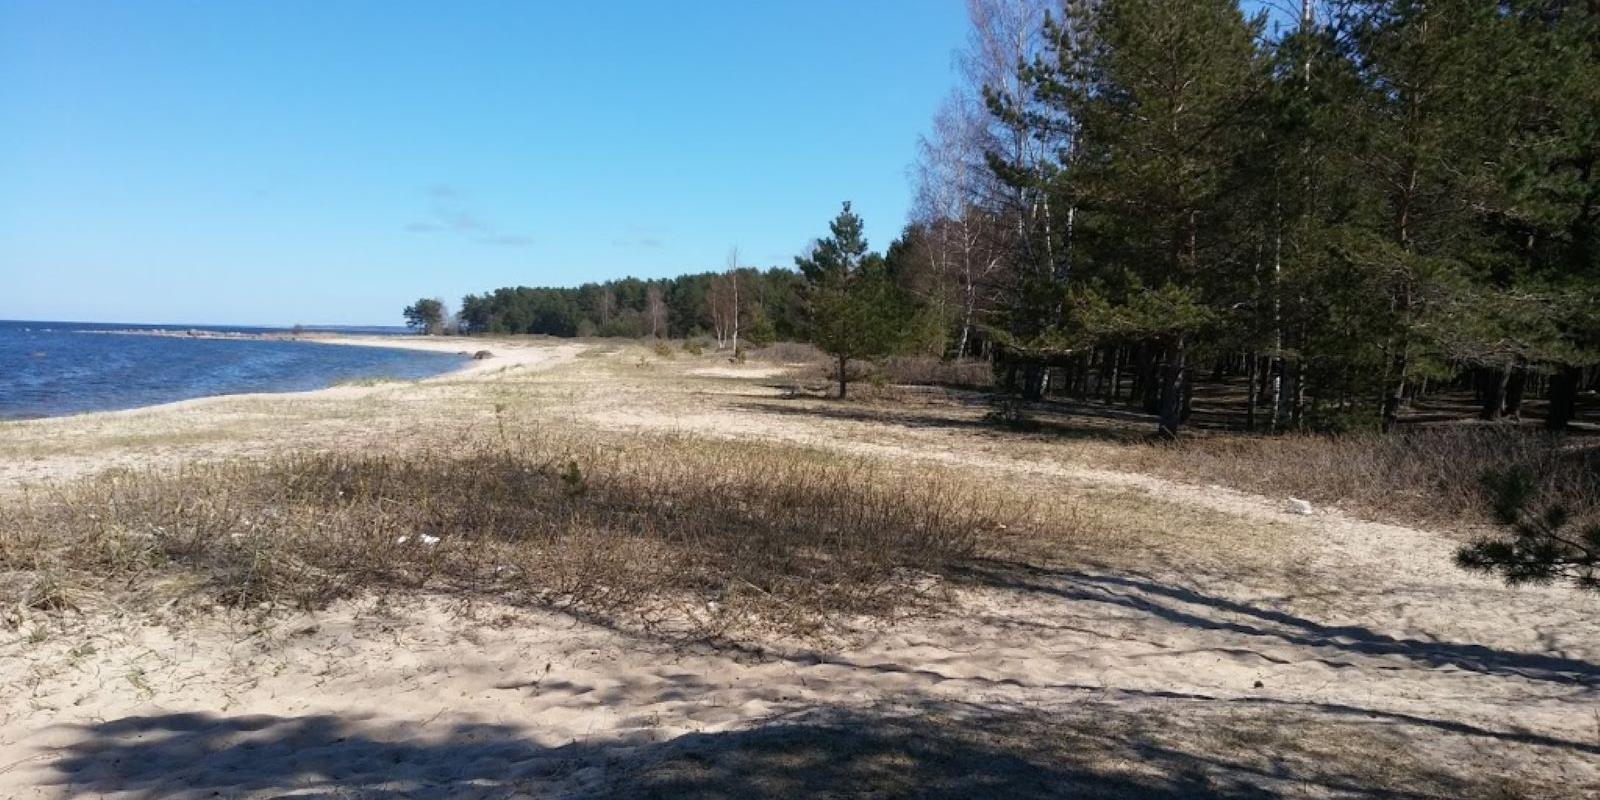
[425, 316]
[1546, 543]
[1155, 96]
[853, 307]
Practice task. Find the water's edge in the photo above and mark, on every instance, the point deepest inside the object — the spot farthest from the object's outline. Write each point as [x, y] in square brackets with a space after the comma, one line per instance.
[141, 378]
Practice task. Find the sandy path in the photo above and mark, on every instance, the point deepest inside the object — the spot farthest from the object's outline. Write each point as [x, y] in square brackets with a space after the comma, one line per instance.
[1323, 656]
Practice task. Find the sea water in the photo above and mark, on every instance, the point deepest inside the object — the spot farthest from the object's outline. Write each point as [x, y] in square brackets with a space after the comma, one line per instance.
[55, 368]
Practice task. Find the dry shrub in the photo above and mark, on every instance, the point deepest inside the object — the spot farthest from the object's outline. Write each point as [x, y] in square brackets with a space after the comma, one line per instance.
[647, 529]
[790, 353]
[1429, 475]
[931, 371]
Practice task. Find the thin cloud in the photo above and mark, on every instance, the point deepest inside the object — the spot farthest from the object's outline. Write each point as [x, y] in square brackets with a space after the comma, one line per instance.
[639, 236]
[508, 240]
[458, 220]
[447, 214]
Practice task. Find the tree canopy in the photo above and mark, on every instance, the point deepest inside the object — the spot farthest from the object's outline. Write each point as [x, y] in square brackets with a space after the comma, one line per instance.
[425, 316]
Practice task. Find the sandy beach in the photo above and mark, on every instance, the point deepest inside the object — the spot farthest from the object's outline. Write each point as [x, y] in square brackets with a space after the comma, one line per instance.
[1225, 647]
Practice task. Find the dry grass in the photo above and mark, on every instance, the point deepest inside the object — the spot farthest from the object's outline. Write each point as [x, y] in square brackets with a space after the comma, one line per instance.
[790, 353]
[1430, 476]
[645, 530]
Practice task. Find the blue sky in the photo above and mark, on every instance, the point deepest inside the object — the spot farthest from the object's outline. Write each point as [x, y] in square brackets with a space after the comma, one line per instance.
[328, 162]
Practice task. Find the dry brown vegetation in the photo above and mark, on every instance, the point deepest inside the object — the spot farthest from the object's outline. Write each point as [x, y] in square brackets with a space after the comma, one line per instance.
[790, 353]
[930, 371]
[1428, 475]
[721, 534]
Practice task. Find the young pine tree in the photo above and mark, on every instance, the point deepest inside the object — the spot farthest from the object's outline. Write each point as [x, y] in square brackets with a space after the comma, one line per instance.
[854, 310]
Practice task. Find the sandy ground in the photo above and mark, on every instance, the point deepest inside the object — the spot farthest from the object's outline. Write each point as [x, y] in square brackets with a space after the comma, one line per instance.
[1244, 651]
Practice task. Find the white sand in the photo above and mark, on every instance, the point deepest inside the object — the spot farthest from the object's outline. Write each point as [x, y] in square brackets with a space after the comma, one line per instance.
[739, 371]
[503, 354]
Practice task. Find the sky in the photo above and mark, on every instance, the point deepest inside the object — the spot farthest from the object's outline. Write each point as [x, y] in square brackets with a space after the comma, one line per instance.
[304, 161]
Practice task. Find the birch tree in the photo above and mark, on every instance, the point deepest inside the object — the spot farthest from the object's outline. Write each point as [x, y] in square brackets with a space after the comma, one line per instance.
[656, 310]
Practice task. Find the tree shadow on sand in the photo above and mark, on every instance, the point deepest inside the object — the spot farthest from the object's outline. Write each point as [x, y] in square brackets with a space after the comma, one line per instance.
[1183, 606]
[930, 750]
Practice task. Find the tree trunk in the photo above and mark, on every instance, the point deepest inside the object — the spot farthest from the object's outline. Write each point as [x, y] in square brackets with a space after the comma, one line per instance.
[1297, 398]
[1563, 398]
[1171, 395]
[1263, 373]
[1149, 388]
[1113, 390]
[1493, 385]
[1035, 381]
[1516, 388]
[1396, 395]
[969, 304]
[1187, 385]
[1251, 365]
[1285, 388]
[843, 380]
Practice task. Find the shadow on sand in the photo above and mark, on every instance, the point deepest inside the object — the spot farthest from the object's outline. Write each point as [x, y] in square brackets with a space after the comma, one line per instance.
[927, 751]
[1183, 606]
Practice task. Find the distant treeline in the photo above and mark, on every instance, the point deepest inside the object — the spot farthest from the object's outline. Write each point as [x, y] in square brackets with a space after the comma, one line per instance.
[678, 307]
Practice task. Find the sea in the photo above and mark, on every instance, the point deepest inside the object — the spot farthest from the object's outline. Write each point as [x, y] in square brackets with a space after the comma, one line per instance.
[52, 369]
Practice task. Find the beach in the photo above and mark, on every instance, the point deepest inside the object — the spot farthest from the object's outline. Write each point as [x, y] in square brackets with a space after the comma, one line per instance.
[240, 424]
[1179, 639]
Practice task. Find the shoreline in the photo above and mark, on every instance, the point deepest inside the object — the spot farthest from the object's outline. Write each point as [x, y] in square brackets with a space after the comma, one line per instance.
[501, 355]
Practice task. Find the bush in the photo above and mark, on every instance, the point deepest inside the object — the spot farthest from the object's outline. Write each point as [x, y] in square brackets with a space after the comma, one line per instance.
[663, 349]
